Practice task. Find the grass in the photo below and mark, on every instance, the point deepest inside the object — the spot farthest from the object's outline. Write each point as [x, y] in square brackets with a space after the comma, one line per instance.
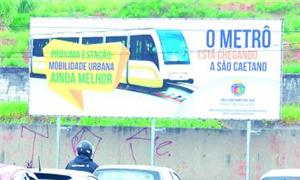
[291, 23]
[293, 39]
[291, 113]
[13, 53]
[292, 67]
[15, 109]
[143, 122]
[78, 7]
[18, 18]
[275, 6]
[16, 112]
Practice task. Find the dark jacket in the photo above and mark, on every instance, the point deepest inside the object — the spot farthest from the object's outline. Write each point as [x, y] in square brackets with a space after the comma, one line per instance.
[82, 163]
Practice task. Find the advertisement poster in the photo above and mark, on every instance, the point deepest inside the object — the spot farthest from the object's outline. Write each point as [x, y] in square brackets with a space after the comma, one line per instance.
[177, 68]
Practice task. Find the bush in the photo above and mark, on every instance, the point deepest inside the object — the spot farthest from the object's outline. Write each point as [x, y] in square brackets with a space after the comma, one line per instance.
[293, 67]
[8, 8]
[12, 54]
[179, 10]
[26, 6]
[291, 23]
[16, 61]
[20, 22]
[147, 8]
[291, 113]
[13, 109]
[275, 7]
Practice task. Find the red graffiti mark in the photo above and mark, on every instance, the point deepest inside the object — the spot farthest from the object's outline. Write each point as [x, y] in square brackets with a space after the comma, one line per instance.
[160, 147]
[135, 136]
[276, 145]
[79, 136]
[8, 137]
[297, 54]
[258, 170]
[182, 166]
[131, 152]
[297, 157]
[280, 160]
[241, 169]
[29, 163]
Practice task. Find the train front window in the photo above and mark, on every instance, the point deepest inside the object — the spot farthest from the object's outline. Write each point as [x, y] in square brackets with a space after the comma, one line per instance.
[92, 40]
[174, 47]
[142, 48]
[122, 39]
[38, 45]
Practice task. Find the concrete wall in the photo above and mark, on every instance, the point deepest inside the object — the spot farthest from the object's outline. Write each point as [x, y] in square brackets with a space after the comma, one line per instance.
[194, 153]
[291, 88]
[14, 85]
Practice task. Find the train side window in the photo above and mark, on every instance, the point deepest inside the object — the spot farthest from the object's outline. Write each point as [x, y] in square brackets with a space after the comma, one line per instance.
[142, 47]
[38, 45]
[92, 40]
[122, 39]
[69, 39]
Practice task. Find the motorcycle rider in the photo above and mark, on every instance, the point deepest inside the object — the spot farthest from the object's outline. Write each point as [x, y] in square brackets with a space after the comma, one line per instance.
[83, 161]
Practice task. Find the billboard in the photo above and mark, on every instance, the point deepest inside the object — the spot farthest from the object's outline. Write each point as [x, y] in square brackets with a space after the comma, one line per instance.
[179, 68]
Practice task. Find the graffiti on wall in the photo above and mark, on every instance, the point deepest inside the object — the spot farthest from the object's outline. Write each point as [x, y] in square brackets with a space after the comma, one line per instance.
[14, 84]
[291, 88]
[271, 149]
[35, 134]
[161, 147]
[85, 134]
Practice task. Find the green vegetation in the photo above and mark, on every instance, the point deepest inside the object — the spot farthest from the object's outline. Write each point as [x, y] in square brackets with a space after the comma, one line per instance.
[275, 6]
[291, 113]
[14, 40]
[8, 9]
[17, 113]
[292, 67]
[15, 16]
[13, 109]
[143, 122]
[13, 52]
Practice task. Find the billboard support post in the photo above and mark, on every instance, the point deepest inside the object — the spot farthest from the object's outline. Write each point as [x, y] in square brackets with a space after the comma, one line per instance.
[58, 125]
[248, 150]
[153, 121]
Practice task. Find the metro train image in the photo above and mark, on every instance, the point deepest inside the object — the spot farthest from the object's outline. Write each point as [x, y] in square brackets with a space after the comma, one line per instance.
[157, 56]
